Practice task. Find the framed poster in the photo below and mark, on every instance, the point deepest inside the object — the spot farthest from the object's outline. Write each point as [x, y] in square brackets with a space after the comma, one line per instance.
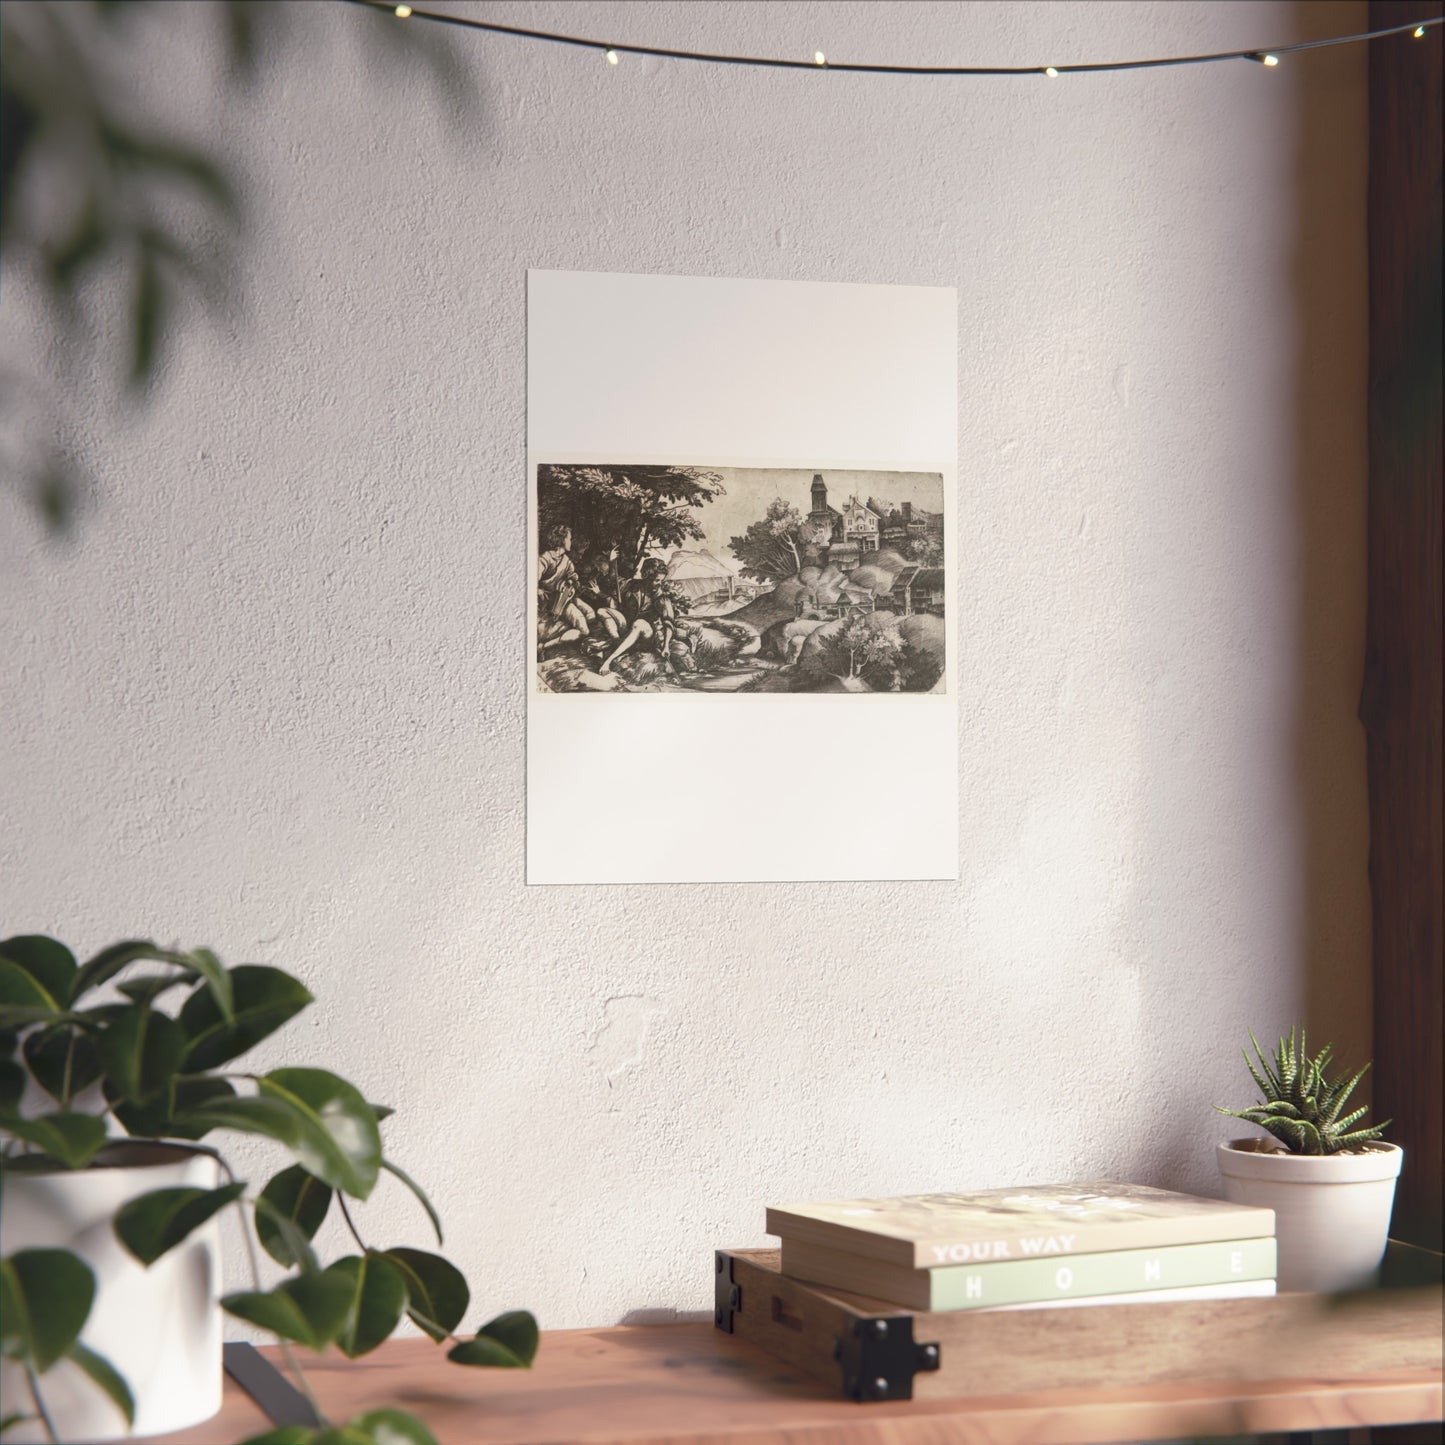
[741, 565]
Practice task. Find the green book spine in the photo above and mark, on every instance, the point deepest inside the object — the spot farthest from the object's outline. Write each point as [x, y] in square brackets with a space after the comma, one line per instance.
[1027, 1281]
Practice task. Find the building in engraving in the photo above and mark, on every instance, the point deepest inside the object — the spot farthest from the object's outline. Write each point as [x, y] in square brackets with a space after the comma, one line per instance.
[850, 535]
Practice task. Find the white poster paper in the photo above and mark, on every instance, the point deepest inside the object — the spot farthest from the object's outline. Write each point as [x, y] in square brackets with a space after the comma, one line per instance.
[741, 644]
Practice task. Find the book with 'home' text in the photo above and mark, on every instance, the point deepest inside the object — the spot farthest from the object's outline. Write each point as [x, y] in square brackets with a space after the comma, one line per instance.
[1035, 1281]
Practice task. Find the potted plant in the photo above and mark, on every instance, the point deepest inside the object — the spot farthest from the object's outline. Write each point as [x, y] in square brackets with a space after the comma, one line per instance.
[113, 1086]
[1331, 1185]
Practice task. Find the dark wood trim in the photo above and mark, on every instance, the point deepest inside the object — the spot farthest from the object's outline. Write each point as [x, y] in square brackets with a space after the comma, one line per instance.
[1400, 703]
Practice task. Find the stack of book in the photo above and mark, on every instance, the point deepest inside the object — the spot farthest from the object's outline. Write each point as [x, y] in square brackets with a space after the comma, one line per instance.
[1031, 1247]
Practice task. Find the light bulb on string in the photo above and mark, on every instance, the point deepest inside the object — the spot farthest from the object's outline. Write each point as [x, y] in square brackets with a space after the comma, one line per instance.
[1260, 57]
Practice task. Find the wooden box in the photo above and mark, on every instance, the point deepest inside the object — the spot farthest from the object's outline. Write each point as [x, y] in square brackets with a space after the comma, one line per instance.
[871, 1350]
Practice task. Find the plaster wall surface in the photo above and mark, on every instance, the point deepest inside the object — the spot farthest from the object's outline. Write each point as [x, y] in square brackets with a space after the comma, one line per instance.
[267, 695]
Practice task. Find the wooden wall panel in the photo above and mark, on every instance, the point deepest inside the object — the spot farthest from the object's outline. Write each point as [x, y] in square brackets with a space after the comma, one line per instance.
[1400, 703]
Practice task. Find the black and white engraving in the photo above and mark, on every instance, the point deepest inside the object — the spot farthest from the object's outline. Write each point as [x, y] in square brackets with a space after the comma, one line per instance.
[739, 580]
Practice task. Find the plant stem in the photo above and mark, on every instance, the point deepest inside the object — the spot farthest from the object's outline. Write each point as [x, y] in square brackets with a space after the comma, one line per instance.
[361, 1243]
[346, 1215]
[39, 1403]
[292, 1363]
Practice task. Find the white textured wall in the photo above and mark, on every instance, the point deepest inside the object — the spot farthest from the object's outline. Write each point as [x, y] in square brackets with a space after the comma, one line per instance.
[269, 698]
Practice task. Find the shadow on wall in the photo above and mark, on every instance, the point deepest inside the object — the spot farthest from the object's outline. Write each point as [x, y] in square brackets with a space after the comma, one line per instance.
[1321, 895]
[92, 187]
[1331, 305]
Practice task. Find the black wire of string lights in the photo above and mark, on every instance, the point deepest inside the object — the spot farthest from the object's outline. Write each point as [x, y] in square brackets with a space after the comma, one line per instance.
[614, 50]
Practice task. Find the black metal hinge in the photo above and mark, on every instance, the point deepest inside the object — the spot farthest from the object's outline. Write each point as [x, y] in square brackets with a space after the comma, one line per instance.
[880, 1357]
[727, 1296]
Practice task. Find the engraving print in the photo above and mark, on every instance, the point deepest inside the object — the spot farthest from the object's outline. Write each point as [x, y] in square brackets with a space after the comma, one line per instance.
[688, 579]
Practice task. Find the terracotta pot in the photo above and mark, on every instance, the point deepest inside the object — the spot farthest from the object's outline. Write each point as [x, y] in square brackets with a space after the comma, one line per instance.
[160, 1327]
[1331, 1211]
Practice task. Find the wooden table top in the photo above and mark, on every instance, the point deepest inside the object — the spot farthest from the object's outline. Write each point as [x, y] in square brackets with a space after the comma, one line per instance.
[692, 1384]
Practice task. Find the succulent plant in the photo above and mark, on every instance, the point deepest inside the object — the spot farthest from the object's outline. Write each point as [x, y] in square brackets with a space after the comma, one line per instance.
[1301, 1107]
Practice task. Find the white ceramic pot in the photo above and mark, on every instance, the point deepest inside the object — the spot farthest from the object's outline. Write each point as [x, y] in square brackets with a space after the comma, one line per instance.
[1331, 1211]
[160, 1327]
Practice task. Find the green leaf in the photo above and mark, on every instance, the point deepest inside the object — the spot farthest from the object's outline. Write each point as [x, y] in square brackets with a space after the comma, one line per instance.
[64, 1061]
[73, 1139]
[295, 1243]
[23, 999]
[96, 1019]
[269, 1117]
[507, 1342]
[416, 1189]
[284, 1435]
[517, 1330]
[104, 1374]
[341, 1435]
[340, 1143]
[298, 1197]
[1361, 1136]
[382, 1111]
[392, 1427]
[45, 1299]
[141, 1051]
[378, 1296]
[20, 1016]
[151, 1224]
[167, 1115]
[437, 1293]
[148, 989]
[263, 999]
[1338, 1126]
[310, 1310]
[330, 1133]
[12, 1086]
[196, 1093]
[50, 964]
[163, 1117]
[1346, 1088]
[109, 962]
[210, 968]
[14, 1323]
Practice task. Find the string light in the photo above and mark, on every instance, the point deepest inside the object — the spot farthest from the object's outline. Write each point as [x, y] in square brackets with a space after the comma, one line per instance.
[1260, 56]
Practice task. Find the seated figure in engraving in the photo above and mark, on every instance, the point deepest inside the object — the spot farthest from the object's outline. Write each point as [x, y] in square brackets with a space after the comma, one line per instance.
[561, 615]
[645, 599]
[597, 592]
